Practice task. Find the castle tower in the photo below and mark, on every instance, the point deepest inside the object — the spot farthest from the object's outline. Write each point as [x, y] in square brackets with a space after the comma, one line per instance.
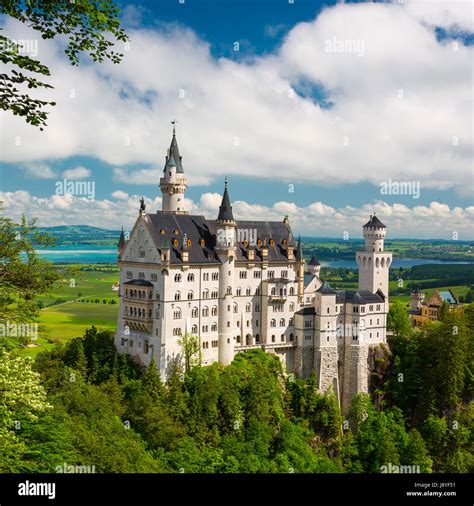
[314, 267]
[373, 262]
[121, 244]
[173, 184]
[300, 269]
[225, 248]
[416, 300]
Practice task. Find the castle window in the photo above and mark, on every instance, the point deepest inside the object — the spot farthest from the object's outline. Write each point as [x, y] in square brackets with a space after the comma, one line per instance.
[272, 323]
[292, 305]
[141, 275]
[236, 308]
[214, 311]
[229, 290]
[177, 314]
[307, 337]
[290, 322]
[248, 291]
[145, 347]
[328, 339]
[190, 277]
[257, 307]
[129, 275]
[154, 277]
[292, 290]
[205, 311]
[362, 309]
[284, 274]
[378, 321]
[355, 309]
[177, 296]
[292, 337]
[270, 274]
[307, 323]
[194, 329]
[257, 291]
[228, 324]
[377, 334]
[328, 310]
[214, 327]
[273, 291]
[282, 338]
[248, 307]
[177, 278]
[205, 294]
[257, 274]
[194, 312]
[243, 274]
[205, 328]
[141, 252]
[238, 292]
[273, 338]
[256, 323]
[370, 322]
[371, 308]
[257, 338]
[205, 276]
[190, 295]
[377, 307]
[215, 276]
[248, 323]
[130, 343]
[282, 322]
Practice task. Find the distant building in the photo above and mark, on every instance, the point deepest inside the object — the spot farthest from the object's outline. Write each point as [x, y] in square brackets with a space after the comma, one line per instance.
[241, 285]
[423, 311]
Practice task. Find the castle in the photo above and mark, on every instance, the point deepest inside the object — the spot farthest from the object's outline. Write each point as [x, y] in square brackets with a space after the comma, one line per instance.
[241, 285]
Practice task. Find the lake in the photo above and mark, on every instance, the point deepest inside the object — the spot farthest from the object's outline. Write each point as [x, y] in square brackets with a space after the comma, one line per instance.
[87, 254]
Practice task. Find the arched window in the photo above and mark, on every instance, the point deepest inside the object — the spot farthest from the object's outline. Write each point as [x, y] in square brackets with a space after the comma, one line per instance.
[194, 312]
[292, 306]
[292, 337]
[205, 294]
[238, 292]
[229, 290]
[194, 329]
[177, 296]
[257, 307]
[382, 263]
[376, 262]
[177, 278]
[248, 307]
[272, 323]
[248, 339]
[214, 311]
[273, 290]
[248, 291]
[292, 290]
[236, 307]
[190, 295]
[214, 327]
[190, 277]
[282, 322]
[205, 311]
[146, 346]
[177, 314]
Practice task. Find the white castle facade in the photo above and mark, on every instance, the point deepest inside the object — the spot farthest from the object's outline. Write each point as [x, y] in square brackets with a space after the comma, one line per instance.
[241, 285]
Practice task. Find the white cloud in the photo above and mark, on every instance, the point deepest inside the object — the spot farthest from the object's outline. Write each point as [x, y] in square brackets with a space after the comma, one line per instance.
[38, 171]
[239, 117]
[76, 173]
[318, 219]
[120, 195]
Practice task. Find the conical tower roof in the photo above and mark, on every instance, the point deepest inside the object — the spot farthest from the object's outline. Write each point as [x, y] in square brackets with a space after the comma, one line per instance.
[121, 241]
[299, 250]
[173, 153]
[225, 209]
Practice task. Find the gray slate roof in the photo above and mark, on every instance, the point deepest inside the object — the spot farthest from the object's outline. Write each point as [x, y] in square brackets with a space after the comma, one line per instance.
[197, 228]
[374, 222]
[358, 296]
[173, 153]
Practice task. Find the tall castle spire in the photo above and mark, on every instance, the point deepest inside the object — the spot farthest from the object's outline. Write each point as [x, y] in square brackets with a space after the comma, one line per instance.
[173, 184]
[225, 209]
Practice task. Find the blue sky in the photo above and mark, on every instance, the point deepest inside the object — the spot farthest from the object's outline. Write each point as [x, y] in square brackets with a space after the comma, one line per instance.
[298, 128]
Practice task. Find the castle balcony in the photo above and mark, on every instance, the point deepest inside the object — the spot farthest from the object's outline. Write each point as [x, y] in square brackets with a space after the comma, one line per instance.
[277, 299]
[138, 324]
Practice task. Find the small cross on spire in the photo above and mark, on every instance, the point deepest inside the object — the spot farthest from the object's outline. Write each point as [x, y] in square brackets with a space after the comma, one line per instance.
[225, 182]
[174, 125]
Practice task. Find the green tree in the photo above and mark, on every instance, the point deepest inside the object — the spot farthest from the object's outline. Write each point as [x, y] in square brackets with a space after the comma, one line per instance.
[86, 26]
[398, 320]
[191, 351]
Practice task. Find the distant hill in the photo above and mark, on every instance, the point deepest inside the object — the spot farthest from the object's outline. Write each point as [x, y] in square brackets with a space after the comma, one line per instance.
[82, 234]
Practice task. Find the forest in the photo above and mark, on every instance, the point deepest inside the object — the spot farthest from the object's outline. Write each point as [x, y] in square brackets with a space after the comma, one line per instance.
[82, 404]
